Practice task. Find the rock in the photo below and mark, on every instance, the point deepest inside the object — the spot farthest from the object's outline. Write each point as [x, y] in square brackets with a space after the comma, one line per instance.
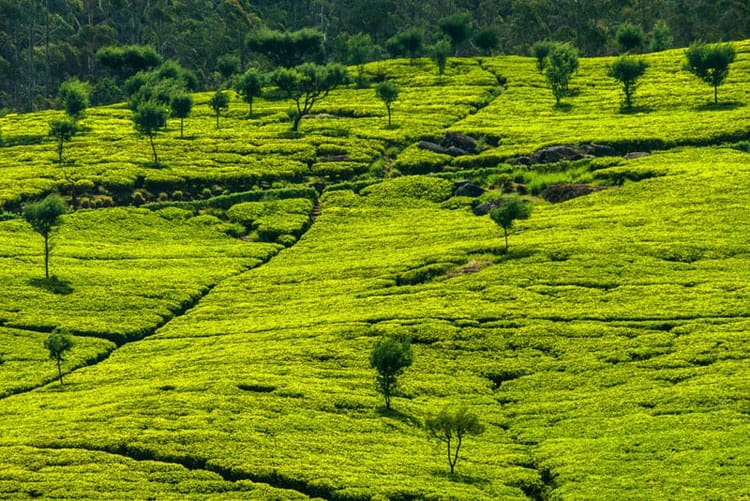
[435, 148]
[456, 152]
[599, 150]
[335, 158]
[562, 192]
[554, 154]
[636, 154]
[462, 141]
[485, 208]
[465, 188]
[521, 161]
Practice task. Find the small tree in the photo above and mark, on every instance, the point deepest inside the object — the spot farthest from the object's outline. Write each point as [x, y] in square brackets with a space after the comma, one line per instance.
[407, 43]
[181, 104]
[359, 49]
[629, 37]
[451, 428]
[43, 217]
[627, 71]
[661, 37]
[487, 40]
[74, 96]
[59, 344]
[559, 67]
[307, 84]
[710, 63]
[148, 119]
[249, 85]
[228, 65]
[439, 53]
[510, 210]
[63, 130]
[387, 91]
[457, 28]
[219, 102]
[540, 50]
[390, 357]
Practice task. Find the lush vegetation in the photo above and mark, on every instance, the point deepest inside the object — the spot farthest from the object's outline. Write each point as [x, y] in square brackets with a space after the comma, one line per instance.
[226, 304]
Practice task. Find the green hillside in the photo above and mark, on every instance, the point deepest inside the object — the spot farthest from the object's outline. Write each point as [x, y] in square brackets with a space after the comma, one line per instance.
[223, 311]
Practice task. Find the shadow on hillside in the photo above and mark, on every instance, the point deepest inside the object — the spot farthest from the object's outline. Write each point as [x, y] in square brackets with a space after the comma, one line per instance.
[396, 414]
[458, 476]
[634, 110]
[564, 107]
[722, 106]
[53, 285]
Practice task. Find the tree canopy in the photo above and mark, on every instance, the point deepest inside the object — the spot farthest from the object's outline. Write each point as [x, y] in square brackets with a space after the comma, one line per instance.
[44, 216]
[710, 63]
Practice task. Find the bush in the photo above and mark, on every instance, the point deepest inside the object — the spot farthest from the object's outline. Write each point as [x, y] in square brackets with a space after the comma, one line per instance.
[405, 190]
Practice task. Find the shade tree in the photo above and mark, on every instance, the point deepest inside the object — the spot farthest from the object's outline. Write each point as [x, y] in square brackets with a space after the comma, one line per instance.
[487, 40]
[559, 66]
[451, 428]
[62, 130]
[307, 84]
[458, 29]
[710, 63]
[58, 344]
[408, 43]
[630, 38]
[387, 92]
[359, 50]
[249, 85]
[74, 96]
[628, 70]
[219, 102]
[148, 119]
[390, 356]
[439, 53]
[510, 210]
[43, 217]
[180, 105]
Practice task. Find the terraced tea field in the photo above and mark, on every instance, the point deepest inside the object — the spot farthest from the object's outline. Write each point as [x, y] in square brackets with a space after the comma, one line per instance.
[223, 333]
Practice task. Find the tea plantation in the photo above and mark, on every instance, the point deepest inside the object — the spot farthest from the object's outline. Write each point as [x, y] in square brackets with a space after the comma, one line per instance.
[223, 304]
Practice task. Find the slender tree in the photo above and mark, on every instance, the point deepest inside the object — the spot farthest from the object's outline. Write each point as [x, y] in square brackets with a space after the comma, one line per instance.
[559, 67]
[62, 130]
[487, 40]
[540, 50]
[457, 28]
[181, 104]
[44, 216]
[710, 63]
[387, 92]
[249, 85]
[452, 428]
[74, 95]
[359, 49]
[58, 344]
[630, 38]
[148, 119]
[219, 102]
[390, 357]
[628, 70]
[439, 53]
[509, 211]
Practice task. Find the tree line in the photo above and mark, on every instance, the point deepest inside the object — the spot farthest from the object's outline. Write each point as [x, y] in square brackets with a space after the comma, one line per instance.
[44, 42]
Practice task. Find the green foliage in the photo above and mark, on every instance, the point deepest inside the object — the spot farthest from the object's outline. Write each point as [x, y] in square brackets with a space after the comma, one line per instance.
[661, 37]
[439, 53]
[62, 130]
[630, 38]
[452, 428]
[628, 71]
[710, 63]
[219, 102]
[387, 92]
[560, 65]
[488, 40]
[359, 50]
[43, 217]
[148, 119]
[541, 51]
[126, 61]
[181, 104]
[307, 84]
[228, 65]
[58, 344]
[457, 28]
[249, 85]
[390, 357]
[408, 190]
[74, 96]
[287, 48]
[510, 210]
[408, 43]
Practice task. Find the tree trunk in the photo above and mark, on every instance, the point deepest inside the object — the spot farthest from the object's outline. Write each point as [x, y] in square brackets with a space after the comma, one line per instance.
[59, 150]
[295, 124]
[450, 457]
[505, 230]
[217, 120]
[389, 117]
[153, 149]
[59, 370]
[716, 94]
[46, 256]
[182, 120]
[250, 103]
